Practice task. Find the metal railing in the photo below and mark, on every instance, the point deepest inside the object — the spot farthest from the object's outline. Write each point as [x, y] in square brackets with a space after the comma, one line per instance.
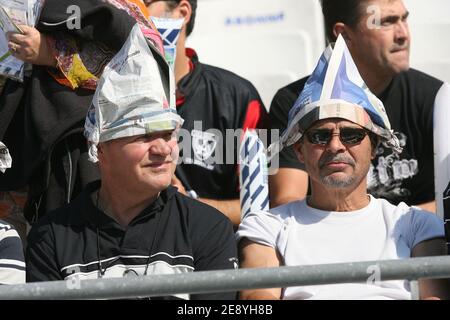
[232, 280]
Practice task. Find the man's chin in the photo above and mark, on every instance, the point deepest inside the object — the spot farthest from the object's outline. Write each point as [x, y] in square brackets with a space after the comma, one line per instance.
[338, 181]
[401, 65]
[402, 68]
[158, 182]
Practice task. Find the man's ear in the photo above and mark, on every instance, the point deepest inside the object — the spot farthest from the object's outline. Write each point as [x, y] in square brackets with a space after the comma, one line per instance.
[374, 152]
[100, 152]
[374, 146]
[342, 28]
[184, 10]
[298, 151]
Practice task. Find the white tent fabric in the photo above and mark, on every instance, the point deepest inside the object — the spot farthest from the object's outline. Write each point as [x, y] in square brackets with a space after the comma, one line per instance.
[271, 43]
[429, 24]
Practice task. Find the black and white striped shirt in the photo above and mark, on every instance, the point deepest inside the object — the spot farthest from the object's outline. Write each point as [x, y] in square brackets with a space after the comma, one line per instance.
[12, 262]
[175, 234]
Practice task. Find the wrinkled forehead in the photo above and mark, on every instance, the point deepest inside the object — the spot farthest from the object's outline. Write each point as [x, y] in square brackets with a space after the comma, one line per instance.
[333, 123]
[382, 8]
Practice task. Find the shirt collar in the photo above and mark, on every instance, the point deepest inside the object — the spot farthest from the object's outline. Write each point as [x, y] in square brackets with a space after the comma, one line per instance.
[98, 218]
[184, 85]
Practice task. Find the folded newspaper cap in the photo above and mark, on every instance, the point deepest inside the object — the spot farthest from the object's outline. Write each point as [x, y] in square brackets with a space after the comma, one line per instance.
[5, 158]
[130, 98]
[336, 90]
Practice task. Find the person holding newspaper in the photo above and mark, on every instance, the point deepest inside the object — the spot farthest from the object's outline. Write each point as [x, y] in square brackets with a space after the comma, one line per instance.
[335, 127]
[31, 46]
[41, 118]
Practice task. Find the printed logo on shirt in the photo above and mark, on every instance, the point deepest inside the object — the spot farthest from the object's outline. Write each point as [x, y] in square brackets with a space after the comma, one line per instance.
[385, 179]
[235, 262]
[203, 144]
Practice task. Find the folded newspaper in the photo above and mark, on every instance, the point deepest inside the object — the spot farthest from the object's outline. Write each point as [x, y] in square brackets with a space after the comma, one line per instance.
[5, 158]
[12, 14]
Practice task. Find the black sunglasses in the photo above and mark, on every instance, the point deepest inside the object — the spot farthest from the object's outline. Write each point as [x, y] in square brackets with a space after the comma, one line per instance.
[346, 135]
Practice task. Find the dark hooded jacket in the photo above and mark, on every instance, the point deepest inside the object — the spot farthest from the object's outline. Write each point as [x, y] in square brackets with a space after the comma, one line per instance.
[42, 121]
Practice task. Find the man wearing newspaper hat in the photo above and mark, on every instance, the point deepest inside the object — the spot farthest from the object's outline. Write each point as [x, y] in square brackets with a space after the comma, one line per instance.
[132, 222]
[335, 127]
[378, 37]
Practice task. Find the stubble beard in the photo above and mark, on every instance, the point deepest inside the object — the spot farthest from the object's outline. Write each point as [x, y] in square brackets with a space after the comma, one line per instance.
[337, 183]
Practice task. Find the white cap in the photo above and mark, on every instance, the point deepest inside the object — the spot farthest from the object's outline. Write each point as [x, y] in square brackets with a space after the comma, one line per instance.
[130, 98]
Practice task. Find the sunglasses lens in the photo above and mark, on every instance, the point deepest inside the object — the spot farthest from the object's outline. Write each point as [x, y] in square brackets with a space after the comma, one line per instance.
[347, 135]
[352, 135]
[319, 136]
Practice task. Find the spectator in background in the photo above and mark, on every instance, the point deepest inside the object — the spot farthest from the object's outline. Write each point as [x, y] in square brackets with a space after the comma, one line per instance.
[336, 125]
[380, 49]
[133, 221]
[216, 99]
[12, 262]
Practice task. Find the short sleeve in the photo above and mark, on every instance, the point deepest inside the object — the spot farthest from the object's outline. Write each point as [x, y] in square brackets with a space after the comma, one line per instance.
[261, 227]
[425, 226]
[40, 258]
[213, 245]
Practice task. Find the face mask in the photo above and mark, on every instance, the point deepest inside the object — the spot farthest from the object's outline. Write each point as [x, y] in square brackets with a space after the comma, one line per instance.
[170, 31]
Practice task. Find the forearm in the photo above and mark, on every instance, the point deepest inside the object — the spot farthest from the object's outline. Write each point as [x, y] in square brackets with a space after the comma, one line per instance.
[287, 185]
[261, 294]
[432, 288]
[230, 208]
[254, 255]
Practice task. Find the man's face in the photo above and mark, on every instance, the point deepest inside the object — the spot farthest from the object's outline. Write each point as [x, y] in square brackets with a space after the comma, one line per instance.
[158, 8]
[142, 163]
[336, 164]
[382, 48]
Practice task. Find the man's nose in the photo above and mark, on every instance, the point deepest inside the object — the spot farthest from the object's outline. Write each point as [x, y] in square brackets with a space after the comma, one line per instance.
[402, 31]
[335, 145]
[160, 147]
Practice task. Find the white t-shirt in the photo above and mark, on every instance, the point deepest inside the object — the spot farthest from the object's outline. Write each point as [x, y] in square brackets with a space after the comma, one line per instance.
[306, 236]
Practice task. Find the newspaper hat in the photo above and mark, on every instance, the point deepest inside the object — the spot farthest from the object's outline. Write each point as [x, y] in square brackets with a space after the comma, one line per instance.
[130, 98]
[336, 90]
[5, 158]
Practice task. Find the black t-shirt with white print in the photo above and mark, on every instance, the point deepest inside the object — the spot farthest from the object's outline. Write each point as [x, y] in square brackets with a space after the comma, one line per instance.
[215, 104]
[409, 102]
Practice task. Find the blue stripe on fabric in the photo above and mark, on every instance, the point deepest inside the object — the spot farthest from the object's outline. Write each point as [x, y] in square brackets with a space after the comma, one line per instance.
[173, 35]
[255, 173]
[140, 117]
[345, 89]
[245, 172]
[252, 152]
[257, 192]
[312, 90]
[265, 203]
[247, 194]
